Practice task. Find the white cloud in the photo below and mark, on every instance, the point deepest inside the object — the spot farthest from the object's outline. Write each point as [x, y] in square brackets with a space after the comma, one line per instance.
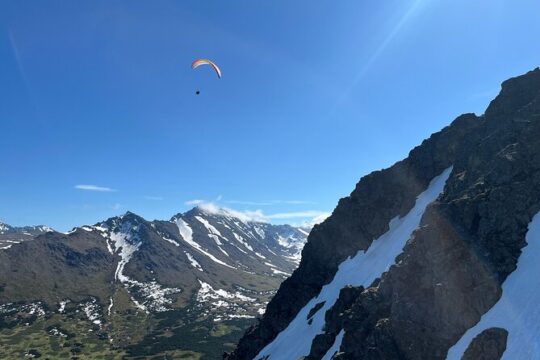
[312, 216]
[245, 216]
[194, 202]
[316, 220]
[94, 188]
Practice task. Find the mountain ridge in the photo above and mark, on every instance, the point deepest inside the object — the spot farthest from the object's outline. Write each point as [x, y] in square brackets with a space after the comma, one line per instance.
[10, 235]
[199, 268]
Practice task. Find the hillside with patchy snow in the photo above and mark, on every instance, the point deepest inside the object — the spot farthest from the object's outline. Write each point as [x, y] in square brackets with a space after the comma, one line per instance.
[207, 269]
[10, 235]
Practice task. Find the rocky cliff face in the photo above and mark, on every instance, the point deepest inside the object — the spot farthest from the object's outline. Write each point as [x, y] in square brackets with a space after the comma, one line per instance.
[450, 270]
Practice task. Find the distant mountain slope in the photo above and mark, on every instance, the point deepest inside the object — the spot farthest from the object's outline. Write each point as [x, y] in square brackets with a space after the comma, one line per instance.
[366, 289]
[203, 268]
[10, 235]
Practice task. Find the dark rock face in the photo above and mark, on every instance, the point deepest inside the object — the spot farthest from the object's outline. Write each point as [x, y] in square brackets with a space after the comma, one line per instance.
[488, 345]
[334, 318]
[451, 269]
[366, 322]
[314, 310]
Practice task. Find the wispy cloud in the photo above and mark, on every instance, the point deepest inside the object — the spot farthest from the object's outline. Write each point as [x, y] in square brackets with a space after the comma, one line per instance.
[194, 202]
[310, 217]
[94, 188]
[116, 206]
[245, 215]
[156, 198]
[316, 220]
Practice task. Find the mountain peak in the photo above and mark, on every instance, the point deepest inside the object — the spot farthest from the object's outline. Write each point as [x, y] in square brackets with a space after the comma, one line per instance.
[516, 94]
[131, 216]
[127, 216]
[4, 227]
[209, 209]
[214, 210]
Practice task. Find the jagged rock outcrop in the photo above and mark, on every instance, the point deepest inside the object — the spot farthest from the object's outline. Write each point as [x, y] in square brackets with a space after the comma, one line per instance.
[451, 270]
[488, 345]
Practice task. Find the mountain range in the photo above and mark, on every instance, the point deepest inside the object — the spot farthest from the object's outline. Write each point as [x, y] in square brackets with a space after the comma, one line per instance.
[10, 235]
[131, 288]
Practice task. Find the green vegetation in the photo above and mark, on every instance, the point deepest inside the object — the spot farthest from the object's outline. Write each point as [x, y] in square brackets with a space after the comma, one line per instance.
[178, 331]
[127, 333]
[56, 337]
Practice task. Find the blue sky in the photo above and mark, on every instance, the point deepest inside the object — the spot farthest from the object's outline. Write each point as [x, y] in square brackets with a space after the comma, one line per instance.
[313, 96]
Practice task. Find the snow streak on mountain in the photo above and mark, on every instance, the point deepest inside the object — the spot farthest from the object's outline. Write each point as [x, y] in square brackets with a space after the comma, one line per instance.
[361, 270]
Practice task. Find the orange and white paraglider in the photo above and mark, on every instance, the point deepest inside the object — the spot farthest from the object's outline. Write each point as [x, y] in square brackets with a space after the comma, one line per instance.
[198, 62]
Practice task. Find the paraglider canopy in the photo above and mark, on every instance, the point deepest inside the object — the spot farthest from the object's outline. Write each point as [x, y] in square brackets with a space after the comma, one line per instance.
[198, 62]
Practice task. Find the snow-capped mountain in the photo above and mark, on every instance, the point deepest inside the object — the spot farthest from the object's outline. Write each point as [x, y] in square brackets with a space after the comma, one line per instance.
[10, 235]
[433, 258]
[198, 267]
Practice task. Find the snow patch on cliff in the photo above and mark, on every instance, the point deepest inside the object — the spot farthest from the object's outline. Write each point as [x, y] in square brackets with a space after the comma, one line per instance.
[362, 269]
[517, 310]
